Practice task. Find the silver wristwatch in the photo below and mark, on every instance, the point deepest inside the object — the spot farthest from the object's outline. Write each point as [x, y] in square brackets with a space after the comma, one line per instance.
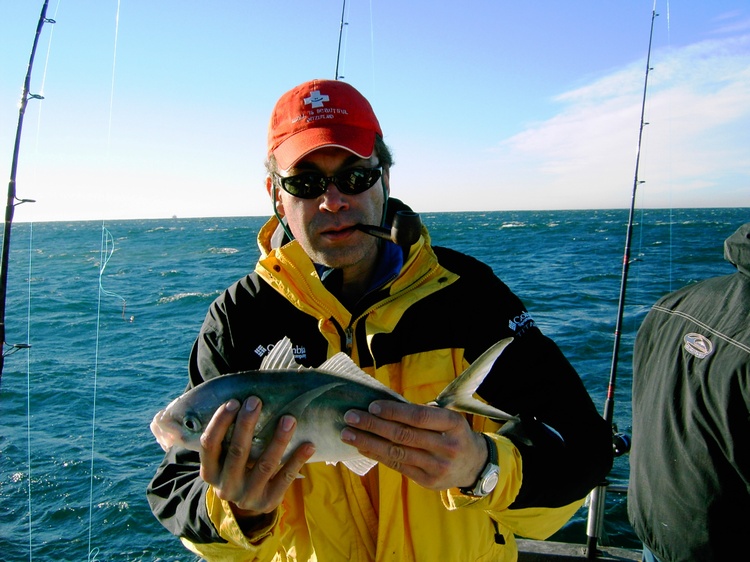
[489, 476]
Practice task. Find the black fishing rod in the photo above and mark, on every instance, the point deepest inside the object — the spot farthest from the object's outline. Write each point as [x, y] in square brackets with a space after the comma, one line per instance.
[341, 33]
[621, 443]
[10, 207]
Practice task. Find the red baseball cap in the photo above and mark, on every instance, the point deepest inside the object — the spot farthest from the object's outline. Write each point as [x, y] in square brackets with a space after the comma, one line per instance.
[321, 113]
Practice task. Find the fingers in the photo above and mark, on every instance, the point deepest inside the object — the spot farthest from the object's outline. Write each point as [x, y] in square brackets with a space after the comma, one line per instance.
[412, 425]
[274, 477]
[212, 440]
[415, 415]
[258, 487]
[238, 450]
[434, 447]
[268, 480]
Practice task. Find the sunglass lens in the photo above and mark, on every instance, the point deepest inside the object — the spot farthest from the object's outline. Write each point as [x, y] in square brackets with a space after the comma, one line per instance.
[313, 184]
[358, 180]
[305, 186]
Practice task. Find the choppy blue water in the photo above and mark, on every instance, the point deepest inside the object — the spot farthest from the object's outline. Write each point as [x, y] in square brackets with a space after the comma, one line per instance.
[120, 364]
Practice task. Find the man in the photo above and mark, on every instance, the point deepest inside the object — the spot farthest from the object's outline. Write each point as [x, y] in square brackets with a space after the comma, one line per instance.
[689, 493]
[448, 486]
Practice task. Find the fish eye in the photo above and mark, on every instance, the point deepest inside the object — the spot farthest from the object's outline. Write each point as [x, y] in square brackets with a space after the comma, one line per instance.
[192, 424]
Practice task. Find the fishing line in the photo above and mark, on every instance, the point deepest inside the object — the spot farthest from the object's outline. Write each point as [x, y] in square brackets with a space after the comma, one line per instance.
[106, 251]
[372, 45]
[669, 170]
[28, 379]
[112, 88]
[44, 79]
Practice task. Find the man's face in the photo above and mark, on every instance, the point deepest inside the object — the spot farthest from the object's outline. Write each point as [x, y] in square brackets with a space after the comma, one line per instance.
[324, 226]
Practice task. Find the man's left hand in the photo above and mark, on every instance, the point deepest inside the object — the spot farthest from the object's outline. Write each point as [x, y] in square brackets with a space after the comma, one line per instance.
[433, 446]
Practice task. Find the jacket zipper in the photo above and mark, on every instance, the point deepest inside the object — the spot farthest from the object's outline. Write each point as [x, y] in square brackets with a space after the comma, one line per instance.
[348, 332]
[349, 339]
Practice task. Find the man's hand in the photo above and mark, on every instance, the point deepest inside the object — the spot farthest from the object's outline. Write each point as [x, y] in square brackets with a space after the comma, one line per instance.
[253, 489]
[433, 446]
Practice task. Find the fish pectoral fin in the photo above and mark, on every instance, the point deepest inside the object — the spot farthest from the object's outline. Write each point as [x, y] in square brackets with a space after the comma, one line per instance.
[294, 408]
[297, 406]
[359, 466]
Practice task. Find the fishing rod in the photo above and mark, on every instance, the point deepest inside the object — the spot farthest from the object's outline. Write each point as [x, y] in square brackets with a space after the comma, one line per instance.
[13, 200]
[341, 33]
[621, 442]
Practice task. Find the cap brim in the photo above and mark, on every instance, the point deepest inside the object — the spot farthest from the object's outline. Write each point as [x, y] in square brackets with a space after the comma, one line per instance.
[354, 139]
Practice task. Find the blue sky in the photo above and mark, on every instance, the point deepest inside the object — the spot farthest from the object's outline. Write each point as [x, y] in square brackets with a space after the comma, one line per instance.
[487, 104]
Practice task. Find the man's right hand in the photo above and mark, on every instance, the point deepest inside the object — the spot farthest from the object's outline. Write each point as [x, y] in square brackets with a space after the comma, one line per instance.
[252, 488]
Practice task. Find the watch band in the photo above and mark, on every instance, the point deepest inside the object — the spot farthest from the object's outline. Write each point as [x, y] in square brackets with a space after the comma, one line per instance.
[492, 449]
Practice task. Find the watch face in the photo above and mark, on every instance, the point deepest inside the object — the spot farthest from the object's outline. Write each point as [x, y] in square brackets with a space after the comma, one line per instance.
[489, 482]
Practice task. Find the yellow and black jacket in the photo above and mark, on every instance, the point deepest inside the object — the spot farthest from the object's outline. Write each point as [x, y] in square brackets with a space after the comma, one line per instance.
[414, 332]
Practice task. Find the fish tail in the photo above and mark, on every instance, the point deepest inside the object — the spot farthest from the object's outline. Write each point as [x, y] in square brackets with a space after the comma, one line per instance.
[459, 394]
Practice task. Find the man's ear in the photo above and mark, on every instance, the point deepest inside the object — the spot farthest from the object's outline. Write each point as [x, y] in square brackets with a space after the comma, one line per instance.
[275, 196]
[386, 179]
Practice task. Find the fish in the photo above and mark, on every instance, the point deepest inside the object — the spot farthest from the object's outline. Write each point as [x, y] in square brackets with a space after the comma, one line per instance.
[317, 397]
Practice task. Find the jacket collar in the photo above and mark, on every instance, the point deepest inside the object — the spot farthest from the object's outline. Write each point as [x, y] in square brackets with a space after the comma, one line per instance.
[737, 249]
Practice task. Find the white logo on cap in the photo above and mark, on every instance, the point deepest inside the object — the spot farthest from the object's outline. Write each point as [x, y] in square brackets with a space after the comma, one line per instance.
[316, 99]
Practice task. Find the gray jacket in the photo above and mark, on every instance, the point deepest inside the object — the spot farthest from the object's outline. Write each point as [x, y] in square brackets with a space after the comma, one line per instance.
[689, 493]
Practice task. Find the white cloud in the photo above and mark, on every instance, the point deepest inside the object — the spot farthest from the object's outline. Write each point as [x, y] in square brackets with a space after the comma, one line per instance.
[698, 110]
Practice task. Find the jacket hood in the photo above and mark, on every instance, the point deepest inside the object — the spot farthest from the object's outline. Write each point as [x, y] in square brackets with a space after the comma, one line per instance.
[737, 249]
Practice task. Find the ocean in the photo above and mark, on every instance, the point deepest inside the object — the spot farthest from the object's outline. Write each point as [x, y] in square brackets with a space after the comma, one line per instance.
[109, 348]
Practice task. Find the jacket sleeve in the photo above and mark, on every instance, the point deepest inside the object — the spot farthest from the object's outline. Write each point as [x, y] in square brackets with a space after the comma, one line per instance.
[564, 443]
[531, 522]
[558, 452]
[554, 456]
[566, 446]
[562, 447]
[188, 507]
[177, 495]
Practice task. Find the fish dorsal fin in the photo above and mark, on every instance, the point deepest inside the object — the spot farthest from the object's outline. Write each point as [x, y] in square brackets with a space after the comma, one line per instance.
[459, 394]
[342, 366]
[281, 357]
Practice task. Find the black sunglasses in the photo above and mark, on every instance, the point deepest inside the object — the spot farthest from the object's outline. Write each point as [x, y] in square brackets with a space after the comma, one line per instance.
[309, 185]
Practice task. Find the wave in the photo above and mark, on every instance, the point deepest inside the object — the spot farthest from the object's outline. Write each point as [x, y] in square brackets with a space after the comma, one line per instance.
[195, 295]
[227, 251]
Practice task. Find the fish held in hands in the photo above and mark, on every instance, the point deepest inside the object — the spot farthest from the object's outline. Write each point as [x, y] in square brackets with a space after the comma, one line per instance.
[317, 397]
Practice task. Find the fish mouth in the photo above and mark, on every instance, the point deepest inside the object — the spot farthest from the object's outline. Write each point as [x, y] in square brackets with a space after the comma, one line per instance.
[164, 436]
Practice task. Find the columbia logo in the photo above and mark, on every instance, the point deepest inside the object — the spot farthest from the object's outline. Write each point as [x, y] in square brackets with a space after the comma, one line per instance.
[521, 322]
[299, 351]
